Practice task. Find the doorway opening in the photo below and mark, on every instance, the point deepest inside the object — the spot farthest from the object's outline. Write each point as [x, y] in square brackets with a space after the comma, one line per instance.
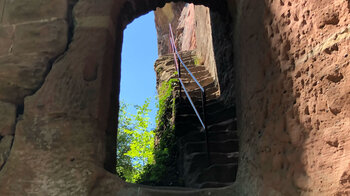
[137, 110]
[204, 48]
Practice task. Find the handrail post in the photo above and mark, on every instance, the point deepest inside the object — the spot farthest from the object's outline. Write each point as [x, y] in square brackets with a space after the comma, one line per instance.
[206, 127]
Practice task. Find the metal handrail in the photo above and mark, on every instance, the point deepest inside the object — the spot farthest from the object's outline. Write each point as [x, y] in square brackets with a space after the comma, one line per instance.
[178, 60]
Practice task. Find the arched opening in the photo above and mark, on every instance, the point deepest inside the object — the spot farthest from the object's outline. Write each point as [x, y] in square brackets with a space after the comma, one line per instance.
[287, 115]
[220, 19]
[137, 111]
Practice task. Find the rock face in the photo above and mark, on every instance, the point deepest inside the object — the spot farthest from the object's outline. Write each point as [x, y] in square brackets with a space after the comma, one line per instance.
[192, 30]
[5, 147]
[7, 118]
[292, 68]
[169, 14]
[31, 37]
[290, 73]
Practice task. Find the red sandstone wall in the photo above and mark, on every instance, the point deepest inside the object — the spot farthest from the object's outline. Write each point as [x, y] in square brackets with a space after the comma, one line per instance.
[292, 68]
[192, 30]
[294, 96]
[170, 13]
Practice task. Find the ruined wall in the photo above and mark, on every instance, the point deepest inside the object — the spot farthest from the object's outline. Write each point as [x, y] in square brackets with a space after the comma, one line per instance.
[292, 69]
[192, 27]
[169, 14]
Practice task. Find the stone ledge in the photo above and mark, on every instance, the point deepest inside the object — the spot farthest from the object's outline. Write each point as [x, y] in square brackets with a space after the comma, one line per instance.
[28, 10]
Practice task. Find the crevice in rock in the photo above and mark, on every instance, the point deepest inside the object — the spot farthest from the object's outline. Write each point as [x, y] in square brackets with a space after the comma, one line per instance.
[70, 20]
[20, 107]
[71, 27]
[19, 113]
[2, 166]
[20, 110]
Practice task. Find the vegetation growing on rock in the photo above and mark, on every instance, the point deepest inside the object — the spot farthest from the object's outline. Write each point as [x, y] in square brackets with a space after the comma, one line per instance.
[163, 172]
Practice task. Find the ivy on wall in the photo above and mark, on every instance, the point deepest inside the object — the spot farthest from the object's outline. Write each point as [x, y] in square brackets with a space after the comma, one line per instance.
[164, 172]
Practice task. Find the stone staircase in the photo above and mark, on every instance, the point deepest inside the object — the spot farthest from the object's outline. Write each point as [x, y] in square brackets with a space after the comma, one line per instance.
[222, 132]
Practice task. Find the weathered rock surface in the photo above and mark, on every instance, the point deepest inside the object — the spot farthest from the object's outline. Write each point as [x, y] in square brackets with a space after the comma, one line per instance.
[6, 39]
[291, 67]
[192, 31]
[169, 14]
[20, 76]
[185, 31]
[31, 36]
[5, 147]
[25, 11]
[7, 118]
[45, 38]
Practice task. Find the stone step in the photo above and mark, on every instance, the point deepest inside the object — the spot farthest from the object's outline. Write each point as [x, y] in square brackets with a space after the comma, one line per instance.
[223, 173]
[197, 94]
[227, 125]
[212, 117]
[226, 146]
[195, 74]
[196, 162]
[190, 123]
[191, 85]
[199, 98]
[208, 97]
[213, 184]
[215, 104]
[199, 77]
[211, 106]
[191, 68]
[217, 135]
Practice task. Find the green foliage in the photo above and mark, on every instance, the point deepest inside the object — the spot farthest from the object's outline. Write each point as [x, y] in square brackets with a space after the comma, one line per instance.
[163, 172]
[165, 93]
[138, 158]
[196, 60]
[135, 143]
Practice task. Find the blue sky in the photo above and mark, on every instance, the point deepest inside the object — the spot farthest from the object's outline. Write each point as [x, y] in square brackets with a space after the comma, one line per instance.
[140, 51]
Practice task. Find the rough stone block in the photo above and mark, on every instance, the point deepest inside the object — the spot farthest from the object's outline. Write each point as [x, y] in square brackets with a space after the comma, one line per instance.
[7, 118]
[21, 11]
[6, 36]
[90, 8]
[2, 4]
[45, 37]
[20, 76]
[5, 148]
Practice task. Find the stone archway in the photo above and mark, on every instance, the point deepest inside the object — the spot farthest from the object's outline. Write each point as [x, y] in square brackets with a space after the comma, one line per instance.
[288, 107]
[61, 139]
